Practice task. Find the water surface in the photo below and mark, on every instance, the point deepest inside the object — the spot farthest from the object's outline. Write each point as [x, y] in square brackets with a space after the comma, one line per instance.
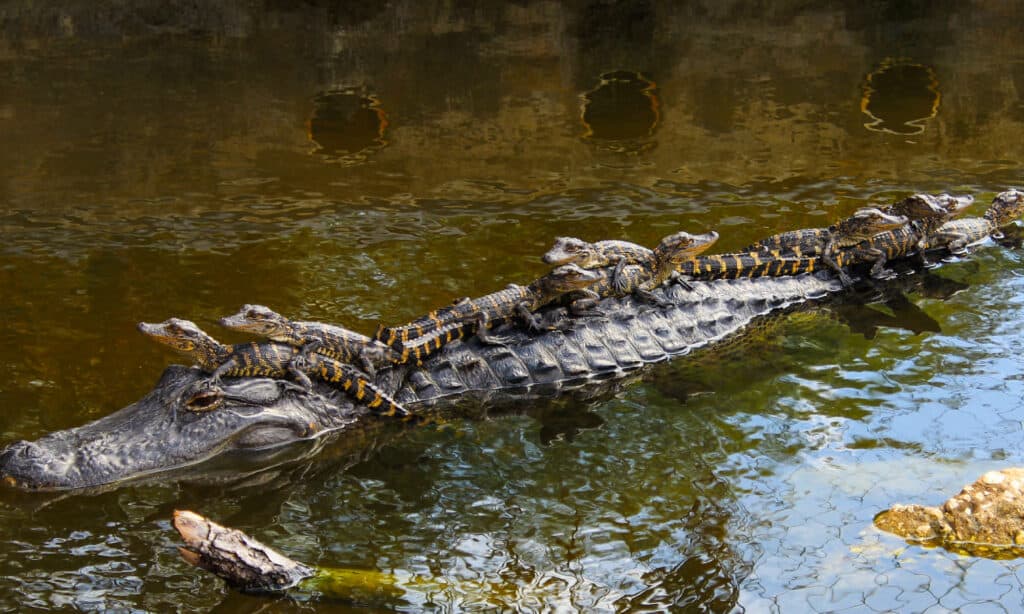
[366, 163]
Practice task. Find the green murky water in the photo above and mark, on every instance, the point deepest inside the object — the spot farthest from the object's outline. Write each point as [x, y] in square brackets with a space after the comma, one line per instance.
[366, 163]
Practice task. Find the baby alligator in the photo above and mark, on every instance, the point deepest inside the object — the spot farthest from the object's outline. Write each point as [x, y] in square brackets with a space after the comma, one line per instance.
[570, 250]
[268, 360]
[810, 242]
[429, 333]
[928, 211]
[331, 341]
[958, 234]
[671, 254]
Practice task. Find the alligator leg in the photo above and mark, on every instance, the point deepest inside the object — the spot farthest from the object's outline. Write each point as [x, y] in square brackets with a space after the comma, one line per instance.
[228, 366]
[484, 333]
[878, 270]
[956, 242]
[586, 306]
[830, 261]
[651, 297]
[620, 283]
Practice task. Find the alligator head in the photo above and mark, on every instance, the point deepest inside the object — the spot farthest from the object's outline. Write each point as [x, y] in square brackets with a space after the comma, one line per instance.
[180, 423]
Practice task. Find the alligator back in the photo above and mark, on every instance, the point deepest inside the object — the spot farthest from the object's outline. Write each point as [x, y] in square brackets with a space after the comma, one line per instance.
[630, 335]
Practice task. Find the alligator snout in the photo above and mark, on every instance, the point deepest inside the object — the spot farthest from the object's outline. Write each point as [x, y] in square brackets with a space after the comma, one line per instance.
[23, 450]
[14, 458]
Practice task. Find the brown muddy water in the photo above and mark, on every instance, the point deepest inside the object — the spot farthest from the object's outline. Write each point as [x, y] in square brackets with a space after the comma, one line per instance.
[368, 161]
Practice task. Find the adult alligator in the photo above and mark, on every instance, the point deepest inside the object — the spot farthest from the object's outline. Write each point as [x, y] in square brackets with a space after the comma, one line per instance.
[162, 431]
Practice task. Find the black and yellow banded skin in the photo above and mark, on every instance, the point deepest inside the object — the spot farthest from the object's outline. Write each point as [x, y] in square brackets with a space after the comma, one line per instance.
[254, 360]
[278, 360]
[418, 349]
[514, 301]
[354, 383]
[327, 339]
[595, 255]
[497, 306]
[747, 264]
[957, 234]
[1006, 208]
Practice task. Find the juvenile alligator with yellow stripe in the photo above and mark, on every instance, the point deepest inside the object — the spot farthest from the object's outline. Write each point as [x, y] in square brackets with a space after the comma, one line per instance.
[315, 337]
[956, 235]
[425, 335]
[274, 360]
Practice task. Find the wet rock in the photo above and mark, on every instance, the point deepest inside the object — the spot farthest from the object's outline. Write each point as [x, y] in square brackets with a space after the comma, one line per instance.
[986, 518]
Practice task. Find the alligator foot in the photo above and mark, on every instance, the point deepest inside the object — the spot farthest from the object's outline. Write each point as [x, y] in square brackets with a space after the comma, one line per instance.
[650, 297]
[883, 274]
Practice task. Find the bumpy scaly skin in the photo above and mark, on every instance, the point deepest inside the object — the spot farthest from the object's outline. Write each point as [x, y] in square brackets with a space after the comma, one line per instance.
[956, 235]
[331, 341]
[810, 242]
[671, 253]
[158, 433]
[927, 213]
[570, 250]
[479, 314]
[276, 360]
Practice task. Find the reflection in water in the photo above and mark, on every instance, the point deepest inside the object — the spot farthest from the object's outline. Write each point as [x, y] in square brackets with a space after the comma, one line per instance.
[347, 124]
[900, 97]
[621, 111]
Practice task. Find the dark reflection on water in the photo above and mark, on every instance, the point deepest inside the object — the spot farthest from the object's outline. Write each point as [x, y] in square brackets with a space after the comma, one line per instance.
[900, 97]
[347, 124]
[621, 111]
[365, 162]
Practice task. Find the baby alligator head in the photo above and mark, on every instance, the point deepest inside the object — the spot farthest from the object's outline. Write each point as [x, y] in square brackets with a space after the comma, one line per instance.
[568, 250]
[1006, 207]
[680, 247]
[260, 320]
[866, 223]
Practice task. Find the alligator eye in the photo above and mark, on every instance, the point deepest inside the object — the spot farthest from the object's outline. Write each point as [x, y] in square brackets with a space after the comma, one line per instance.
[205, 400]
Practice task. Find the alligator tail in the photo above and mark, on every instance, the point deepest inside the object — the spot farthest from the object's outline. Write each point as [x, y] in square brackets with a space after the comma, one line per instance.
[354, 383]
